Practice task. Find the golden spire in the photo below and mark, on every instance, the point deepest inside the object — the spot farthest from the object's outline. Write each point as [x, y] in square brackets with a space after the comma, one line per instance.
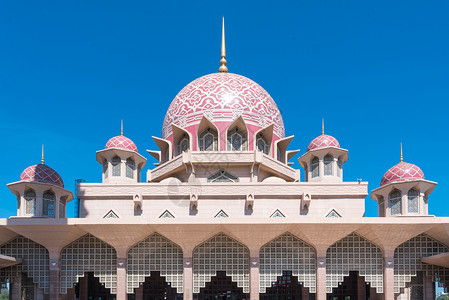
[322, 126]
[121, 128]
[402, 158]
[42, 159]
[223, 62]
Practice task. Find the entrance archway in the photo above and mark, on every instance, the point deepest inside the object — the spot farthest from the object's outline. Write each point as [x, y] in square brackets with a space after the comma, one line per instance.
[353, 287]
[286, 287]
[221, 287]
[90, 288]
[155, 287]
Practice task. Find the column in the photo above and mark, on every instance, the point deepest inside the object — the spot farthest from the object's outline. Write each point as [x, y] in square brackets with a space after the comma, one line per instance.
[361, 288]
[54, 275]
[389, 275]
[121, 278]
[188, 276]
[254, 282]
[429, 287]
[16, 288]
[305, 293]
[83, 287]
[321, 167]
[321, 277]
[404, 203]
[139, 292]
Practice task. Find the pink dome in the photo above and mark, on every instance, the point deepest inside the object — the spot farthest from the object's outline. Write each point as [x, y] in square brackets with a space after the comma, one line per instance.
[123, 142]
[41, 173]
[402, 172]
[223, 97]
[322, 141]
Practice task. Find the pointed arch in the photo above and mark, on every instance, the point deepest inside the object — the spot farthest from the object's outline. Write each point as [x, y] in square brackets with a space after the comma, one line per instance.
[287, 253]
[213, 255]
[277, 214]
[35, 261]
[221, 214]
[182, 140]
[263, 139]
[88, 254]
[111, 214]
[222, 176]
[154, 253]
[237, 135]
[207, 131]
[352, 253]
[166, 214]
[333, 214]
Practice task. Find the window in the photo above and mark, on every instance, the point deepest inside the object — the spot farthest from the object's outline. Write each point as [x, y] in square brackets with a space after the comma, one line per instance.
[105, 169]
[262, 144]
[413, 201]
[279, 154]
[315, 167]
[48, 204]
[222, 176]
[395, 202]
[208, 140]
[381, 206]
[328, 165]
[236, 140]
[183, 144]
[30, 203]
[129, 168]
[116, 166]
[62, 203]
[339, 167]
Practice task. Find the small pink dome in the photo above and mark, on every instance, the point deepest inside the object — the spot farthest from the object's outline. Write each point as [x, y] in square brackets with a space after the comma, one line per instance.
[123, 142]
[41, 173]
[322, 141]
[402, 172]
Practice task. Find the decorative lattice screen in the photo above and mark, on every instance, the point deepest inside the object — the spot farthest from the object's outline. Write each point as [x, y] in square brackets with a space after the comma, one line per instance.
[407, 261]
[155, 253]
[354, 253]
[287, 253]
[35, 261]
[88, 254]
[220, 253]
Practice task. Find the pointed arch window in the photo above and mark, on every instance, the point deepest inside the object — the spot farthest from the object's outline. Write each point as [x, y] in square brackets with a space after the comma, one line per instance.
[130, 167]
[339, 167]
[48, 202]
[105, 169]
[381, 203]
[209, 140]
[328, 165]
[279, 154]
[183, 144]
[222, 176]
[30, 202]
[395, 202]
[413, 201]
[62, 203]
[116, 161]
[237, 140]
[315, 167]
[262, 144]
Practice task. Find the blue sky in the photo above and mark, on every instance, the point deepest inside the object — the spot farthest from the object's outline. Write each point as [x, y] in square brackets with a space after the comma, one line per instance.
[377, 72]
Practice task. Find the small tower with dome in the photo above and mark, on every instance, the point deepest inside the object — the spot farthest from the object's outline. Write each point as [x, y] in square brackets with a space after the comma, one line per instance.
[40, 192]
[403, 191]
[121, 160]
[323, 161]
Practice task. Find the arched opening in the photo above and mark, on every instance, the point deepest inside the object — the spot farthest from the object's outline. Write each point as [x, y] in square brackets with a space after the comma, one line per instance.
[208, 140]
[413, 201]
[105, 169]
[262, 144]
[221, 287]
[48, 204]
[353, 287]
[30, 202]
[130, 167]
[328, 165]
[62, 204]
[155, 287]
[237, 140]
[286, 286]
[90, 287]
[315, 167]
[115, 162]
[394, 198]
[339, 167]
[183, 144]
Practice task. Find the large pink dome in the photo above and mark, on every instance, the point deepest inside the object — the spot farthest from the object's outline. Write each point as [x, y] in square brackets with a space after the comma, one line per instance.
[322, 141]
[41, 173]
[223, 97]
[123, 142]
[402, 172]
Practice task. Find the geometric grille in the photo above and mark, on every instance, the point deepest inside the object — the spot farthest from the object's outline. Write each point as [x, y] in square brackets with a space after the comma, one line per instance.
[35, 261]
[220, 253]
[154, 253]
[333, 214]
[407, 260]
[287, 252]
[354, 253]
[88, 254]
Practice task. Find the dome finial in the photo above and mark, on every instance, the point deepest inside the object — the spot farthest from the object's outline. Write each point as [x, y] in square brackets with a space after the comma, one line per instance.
[322, 126]
[223, 62]
[42, 159]
[121, 128]
[402, 158]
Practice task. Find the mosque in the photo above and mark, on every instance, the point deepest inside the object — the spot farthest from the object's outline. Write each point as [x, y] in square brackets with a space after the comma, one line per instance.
[223, 215]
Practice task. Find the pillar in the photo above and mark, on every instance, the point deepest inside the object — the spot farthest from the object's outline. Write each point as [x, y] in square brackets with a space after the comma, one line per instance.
[139, 292]
[304, 293]
[361, 288]
[429, 287]
[389, 275]
[254, 274]
[188, 277]
[83, 287]
[121, 279]
[16, 288]
[54, 275]
[321, 277]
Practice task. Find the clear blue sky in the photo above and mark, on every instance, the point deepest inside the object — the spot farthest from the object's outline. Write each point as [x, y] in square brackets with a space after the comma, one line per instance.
[376, 71]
